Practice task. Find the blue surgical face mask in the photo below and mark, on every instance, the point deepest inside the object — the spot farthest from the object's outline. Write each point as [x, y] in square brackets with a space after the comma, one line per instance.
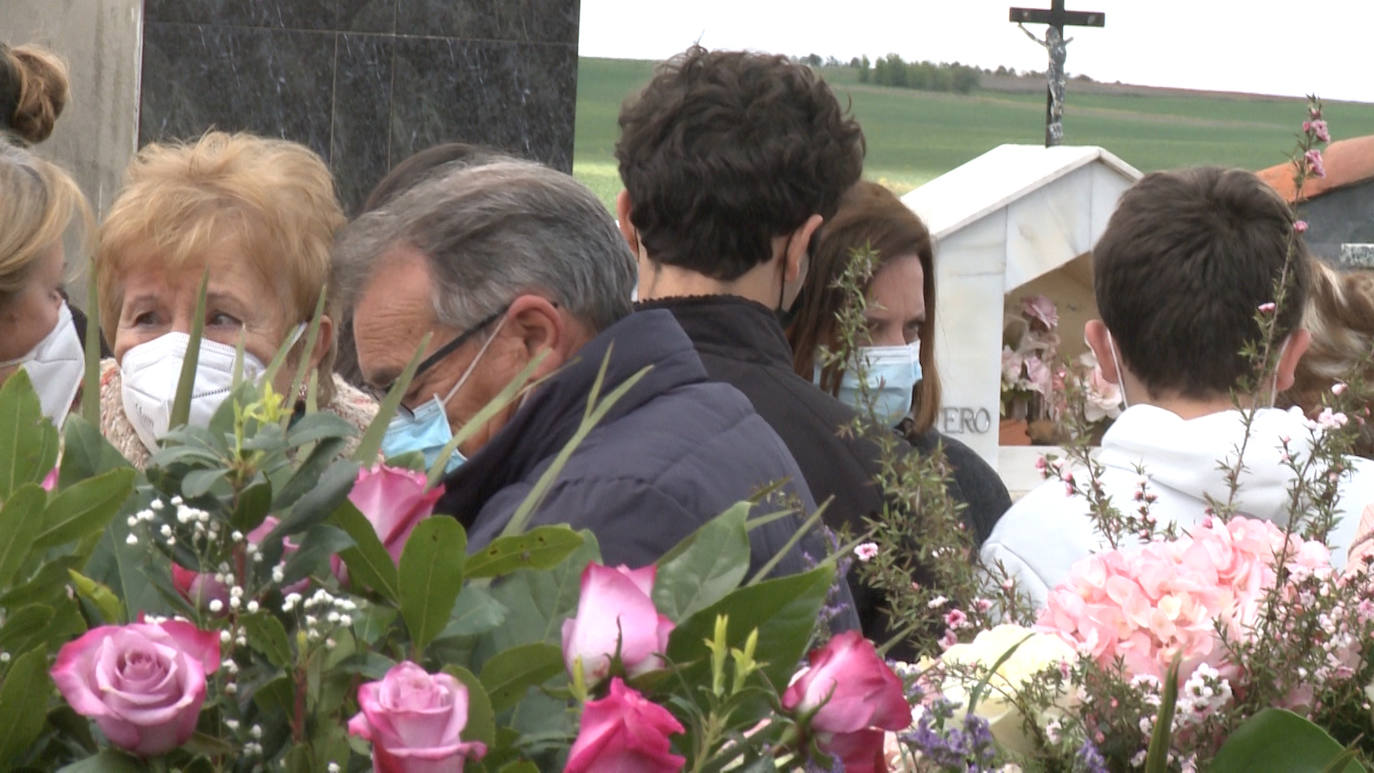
[892, 372]
[426, 429]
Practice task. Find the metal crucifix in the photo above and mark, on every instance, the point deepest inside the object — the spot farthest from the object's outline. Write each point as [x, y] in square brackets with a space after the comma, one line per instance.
[1057, 18]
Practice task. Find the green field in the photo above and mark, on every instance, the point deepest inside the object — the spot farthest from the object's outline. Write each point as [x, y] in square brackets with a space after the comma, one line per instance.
[914, 136]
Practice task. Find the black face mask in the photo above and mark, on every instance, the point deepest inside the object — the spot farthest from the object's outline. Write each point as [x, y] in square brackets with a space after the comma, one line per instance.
[786, 316]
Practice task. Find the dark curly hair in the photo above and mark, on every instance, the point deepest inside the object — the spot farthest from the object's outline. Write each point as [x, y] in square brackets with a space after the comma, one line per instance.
[724, 150]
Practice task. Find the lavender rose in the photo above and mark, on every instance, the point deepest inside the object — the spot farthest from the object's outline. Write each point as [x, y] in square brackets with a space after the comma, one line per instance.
[414, 720]
[143, 683]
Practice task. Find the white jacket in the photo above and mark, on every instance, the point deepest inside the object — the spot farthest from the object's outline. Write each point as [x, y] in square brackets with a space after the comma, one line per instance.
[1044, 533]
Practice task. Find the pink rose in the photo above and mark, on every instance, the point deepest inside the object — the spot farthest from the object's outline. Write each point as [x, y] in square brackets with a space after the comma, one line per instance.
[615, 613]
[414, 720]
[854, 696]
[394, 499]
[143, 683]
[202, 588]
[625, 732]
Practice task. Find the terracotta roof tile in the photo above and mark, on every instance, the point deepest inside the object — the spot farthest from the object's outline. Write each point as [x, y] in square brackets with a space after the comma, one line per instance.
[1347, 162]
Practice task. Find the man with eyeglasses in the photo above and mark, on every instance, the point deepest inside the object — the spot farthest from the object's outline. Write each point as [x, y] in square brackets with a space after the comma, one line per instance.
[508, 261]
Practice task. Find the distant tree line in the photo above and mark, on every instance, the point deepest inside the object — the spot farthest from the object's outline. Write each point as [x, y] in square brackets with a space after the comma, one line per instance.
[891, 70]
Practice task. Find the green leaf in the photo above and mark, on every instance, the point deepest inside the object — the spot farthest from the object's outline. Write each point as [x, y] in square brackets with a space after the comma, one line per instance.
[784, 610]
[181, 402]
[328, 492]
[520, 766]
[85, 508]
[705, 566]
[28, 441]
[26, 679]
[23, 626]
[317, 546]
[481, 724]
[100, 595]
[508, 674]
[20, 519]
[276, 696]
[318, 426]
[267, 635]
[431, 575]
[372, 621]
[305, 482]
[197, 483]
[1157, 758]
[1278, 739]
[542, 547]
[538, 601]
[85, 452]
[475, 612]
[368, 562]
[255, 502]
[47, 584]
[107, 761]
[312, 339]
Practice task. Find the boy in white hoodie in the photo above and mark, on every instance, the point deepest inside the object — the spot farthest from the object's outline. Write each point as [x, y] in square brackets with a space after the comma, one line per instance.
[1187, 259]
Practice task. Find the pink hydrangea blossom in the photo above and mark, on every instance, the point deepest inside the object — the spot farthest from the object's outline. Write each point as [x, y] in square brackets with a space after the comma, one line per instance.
[1168, 598]
[1316, 167]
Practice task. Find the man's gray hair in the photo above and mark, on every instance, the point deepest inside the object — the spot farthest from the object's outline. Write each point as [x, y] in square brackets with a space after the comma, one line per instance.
[495, 231]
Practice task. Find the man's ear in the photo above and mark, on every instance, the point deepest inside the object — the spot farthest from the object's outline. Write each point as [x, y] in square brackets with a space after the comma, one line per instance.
[1298, 341]
[623, 205]
[536, 325]
[324, 341]
[1097, 337]
[798, 244]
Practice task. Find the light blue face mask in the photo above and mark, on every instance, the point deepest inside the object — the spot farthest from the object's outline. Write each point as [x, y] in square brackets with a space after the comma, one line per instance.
[892, 372]
[426, 429]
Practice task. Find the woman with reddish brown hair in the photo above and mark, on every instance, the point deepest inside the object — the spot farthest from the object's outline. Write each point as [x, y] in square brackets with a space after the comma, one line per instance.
[897, 343]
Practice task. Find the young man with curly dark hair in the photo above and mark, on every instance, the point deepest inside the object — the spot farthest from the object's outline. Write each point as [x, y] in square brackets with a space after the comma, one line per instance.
[731, 161]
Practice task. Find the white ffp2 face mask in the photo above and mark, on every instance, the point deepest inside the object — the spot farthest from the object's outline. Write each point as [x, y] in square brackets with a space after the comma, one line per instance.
[150, 373]
[55, 365]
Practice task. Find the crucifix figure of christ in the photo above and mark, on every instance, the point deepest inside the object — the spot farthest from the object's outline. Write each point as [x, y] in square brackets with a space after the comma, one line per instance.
[1057, 18]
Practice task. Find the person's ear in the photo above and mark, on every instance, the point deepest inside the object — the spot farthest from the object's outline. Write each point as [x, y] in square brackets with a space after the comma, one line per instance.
[324, 341]
[1100, 341]
[798, 244]
[623, 205]
[535, 325]
[1298, 341]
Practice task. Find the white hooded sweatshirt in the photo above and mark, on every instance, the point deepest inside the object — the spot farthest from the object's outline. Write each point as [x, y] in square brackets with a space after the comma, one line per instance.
[1044, 533]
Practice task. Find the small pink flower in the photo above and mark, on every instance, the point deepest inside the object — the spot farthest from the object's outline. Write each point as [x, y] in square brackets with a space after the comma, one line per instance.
[1267, 307]
[1300, 226]
[1338, 388]
[1066, 475]
[1318, 129]
[1042, 309]
[616, 614]
[949, 639]
[50, 480]
[1329, 419]
[1041, 464]
[142, 683]
[625, 731]
[982, 605]
[1314, 162]
[956, 619]
[866, 551]
[414, 720]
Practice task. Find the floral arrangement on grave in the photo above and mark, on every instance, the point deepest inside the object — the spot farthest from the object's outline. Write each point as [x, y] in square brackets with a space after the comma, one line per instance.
[253, 600]
[1232, 645]
[1037, 387]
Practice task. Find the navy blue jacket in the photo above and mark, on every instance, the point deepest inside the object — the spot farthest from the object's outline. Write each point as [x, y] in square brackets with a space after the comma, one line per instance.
[674, 452]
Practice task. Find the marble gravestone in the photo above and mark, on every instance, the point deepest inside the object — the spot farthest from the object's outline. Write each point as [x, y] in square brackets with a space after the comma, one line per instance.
[1017, 220]
[1338, 208]
[365, 83]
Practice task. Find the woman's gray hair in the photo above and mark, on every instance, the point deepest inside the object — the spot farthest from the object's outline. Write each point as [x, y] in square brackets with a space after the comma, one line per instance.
[492, 232]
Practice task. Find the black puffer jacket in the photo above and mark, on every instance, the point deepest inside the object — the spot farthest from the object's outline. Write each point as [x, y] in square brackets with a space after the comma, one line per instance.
[673, 452]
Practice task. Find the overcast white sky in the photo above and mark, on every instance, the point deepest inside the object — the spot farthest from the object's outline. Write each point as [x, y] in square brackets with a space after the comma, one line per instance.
[1285, 47]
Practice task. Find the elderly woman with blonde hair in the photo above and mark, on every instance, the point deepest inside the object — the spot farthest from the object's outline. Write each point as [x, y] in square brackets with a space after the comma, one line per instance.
[259, 216]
